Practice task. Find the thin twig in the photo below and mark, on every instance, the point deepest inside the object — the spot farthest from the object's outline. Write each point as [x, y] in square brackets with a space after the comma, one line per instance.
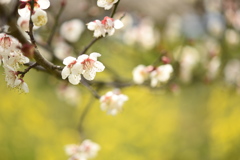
[27, 70]
[84, 114]
[114, 84]
[89, 45]
[114, 9]
[49, 41]
[86, 84]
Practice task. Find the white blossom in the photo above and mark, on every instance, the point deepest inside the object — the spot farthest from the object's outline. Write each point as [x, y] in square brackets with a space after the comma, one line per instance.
[72, 70]
[97, 27]
[39, 17]
[84, 64]
[90, 65]
[161, 74]
[110, 25]
[15, 58]
[8, 44]
[112, 102]
[72, 30]
[106, 4]
[10, 53]
[13, 81]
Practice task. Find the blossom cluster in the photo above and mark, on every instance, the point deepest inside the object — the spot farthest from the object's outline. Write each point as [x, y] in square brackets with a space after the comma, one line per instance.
[112, 102]
[39, 16]
[11, 57]
[84, 64]
[87, 149]
[105, 27]
[157, 75]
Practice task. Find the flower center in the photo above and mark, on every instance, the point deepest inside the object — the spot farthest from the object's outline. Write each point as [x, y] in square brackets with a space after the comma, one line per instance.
[88, 63]
[5, 42]
[41, 20]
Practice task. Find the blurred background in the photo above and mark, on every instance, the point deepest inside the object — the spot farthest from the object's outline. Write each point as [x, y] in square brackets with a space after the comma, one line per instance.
[194, 116]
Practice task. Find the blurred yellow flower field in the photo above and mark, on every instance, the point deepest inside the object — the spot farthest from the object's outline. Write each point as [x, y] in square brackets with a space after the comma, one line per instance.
[202, 122]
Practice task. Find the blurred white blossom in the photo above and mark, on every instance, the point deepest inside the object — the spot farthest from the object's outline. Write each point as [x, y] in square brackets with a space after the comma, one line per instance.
[68, 93]
[141, 73]
[143, 34]
[188, 58]
[86, 150]
[161, 74]
[112, 102]
[62, 49]
[232, 37]
[71, 30]
[213, 67]
[232, 72]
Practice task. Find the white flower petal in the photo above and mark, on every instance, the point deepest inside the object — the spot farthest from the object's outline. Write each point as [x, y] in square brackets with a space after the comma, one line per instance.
[101, 3]
[44, 4]
[111, 31]
[24, 12]
[65, 72]
[91, 26]
[74, 79]
[68, 60]
[89, 74]
[118, 24]
[94, 56]
[77, 69]
[98, 33]
[98, 66]
[17, 82]
[24, 87]
[82, 57]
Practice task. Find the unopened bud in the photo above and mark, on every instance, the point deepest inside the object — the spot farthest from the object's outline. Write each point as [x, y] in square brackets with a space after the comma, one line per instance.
[63, 3]
[28, 50]
[166, 60]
